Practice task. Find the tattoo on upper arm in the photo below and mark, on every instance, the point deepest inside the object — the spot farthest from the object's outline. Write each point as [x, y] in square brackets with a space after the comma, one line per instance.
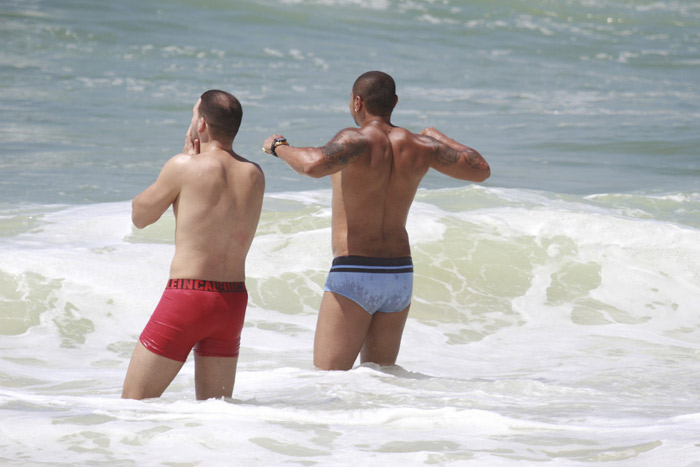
[342, 150]
[445, 155]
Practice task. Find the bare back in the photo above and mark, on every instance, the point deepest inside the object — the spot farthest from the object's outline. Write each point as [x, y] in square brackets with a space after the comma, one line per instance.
[373, 195]
[217, 198]
[375, 172]
[217, 213]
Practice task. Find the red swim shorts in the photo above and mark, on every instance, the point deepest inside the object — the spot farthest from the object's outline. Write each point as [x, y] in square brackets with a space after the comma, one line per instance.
[206, 315]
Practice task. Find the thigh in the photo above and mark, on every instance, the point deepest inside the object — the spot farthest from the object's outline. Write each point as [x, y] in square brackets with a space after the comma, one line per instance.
[214, 377]
[149, 374]
[383, 340]
[340, 331]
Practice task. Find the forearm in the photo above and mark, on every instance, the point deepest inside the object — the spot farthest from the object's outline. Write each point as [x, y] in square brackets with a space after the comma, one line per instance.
[304, 161]
[140, 215]
[144, 213]
[151, 203]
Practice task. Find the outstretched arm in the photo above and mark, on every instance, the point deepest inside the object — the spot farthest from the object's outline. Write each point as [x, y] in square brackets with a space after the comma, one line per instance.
[454, 158]
[344, 148]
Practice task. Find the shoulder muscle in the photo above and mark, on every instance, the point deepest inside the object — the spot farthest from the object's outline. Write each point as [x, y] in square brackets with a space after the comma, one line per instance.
[345, 147]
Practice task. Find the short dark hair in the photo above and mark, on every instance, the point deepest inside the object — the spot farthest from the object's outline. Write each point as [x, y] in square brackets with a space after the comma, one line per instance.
[378, 92]
[222, 112]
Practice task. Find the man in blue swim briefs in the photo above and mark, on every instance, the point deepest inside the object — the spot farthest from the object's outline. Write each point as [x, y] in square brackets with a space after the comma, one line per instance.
[375, 171]
[216, 197]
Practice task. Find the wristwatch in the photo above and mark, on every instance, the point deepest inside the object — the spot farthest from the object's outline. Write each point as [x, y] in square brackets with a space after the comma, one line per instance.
[277, 142]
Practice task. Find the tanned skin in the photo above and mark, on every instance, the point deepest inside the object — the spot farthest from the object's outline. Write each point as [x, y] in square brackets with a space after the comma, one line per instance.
[375, 171]
[217, 197]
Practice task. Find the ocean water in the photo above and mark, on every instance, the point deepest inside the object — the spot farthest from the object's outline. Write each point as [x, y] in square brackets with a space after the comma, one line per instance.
[556, 311]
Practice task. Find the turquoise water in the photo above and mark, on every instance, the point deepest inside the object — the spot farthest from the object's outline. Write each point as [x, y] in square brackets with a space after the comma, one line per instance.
[555, 311]
[590, 97]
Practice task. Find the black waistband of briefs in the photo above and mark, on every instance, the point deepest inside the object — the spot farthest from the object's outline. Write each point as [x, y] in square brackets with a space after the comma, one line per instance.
[354, 263]
[206, 286]
[372, 261]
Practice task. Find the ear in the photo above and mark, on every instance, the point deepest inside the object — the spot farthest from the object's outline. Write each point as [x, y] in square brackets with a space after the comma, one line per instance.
[396, 100]
[201, 125]
[357, 103]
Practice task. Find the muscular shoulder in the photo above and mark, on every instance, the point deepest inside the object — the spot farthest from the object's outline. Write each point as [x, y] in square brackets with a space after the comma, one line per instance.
[399, 135]
[345, 147]
[410, 137]
[413, 143]
[350, 136]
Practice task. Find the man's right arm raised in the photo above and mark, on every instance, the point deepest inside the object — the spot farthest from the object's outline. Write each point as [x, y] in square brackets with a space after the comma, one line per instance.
[454, 158]
[150, 204]
[343, 149]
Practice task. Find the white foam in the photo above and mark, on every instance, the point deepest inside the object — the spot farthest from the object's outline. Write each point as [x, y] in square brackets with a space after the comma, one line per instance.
[497, 362]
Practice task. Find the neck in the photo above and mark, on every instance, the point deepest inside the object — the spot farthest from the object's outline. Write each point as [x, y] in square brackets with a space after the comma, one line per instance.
[212, 145]
[375, 120]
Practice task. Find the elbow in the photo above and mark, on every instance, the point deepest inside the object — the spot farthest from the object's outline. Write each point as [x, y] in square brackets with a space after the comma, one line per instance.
[309, 162]
[484, 173]
[313, 173]
[139, 224]
[482, 169]
[476, 173]
[136, 218]
[313, 170]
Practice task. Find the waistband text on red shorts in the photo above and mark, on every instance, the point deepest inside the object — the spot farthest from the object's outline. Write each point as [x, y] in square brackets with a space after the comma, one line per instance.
[206, 286]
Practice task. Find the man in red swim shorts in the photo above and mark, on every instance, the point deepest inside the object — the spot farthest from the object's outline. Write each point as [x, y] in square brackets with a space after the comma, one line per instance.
[216, 197]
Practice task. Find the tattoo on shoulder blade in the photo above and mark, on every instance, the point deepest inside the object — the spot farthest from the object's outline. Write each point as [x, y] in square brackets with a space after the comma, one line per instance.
[343, 149]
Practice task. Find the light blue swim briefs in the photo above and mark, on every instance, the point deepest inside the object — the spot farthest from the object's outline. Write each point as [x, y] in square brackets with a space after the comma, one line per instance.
[376, 284]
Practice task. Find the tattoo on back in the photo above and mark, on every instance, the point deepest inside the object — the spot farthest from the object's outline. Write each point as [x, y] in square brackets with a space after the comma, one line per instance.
[343, 149]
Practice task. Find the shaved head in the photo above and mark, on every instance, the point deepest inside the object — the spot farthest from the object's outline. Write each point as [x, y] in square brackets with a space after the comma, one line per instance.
[377, 91]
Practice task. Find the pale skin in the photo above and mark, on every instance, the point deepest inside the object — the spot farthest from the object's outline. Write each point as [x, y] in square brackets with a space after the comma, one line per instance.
[375, 171]
[216, 197]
